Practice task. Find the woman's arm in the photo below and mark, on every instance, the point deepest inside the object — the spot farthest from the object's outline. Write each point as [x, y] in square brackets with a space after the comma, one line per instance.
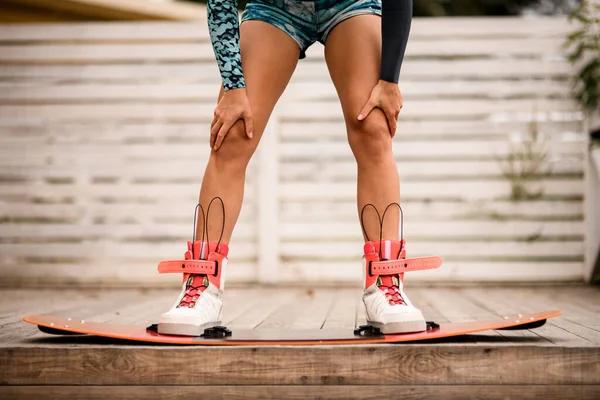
[396, 16]
[224, 29]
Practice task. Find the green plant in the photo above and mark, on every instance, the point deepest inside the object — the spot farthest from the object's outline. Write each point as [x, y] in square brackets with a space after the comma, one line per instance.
[583, 47]
[526, 162]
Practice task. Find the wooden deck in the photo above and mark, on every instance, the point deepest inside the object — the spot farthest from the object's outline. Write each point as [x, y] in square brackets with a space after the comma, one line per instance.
[558, 361]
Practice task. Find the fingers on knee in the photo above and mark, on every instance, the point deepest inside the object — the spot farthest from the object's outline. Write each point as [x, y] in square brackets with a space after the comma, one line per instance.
[236, 147]
[370, 137]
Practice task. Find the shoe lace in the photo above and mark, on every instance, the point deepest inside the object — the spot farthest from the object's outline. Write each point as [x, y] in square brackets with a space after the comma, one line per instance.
[389, 285]
[195, 285]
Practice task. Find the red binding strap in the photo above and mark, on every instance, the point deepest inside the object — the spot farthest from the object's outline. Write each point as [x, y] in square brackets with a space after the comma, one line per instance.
[392, 267]
[189, 267]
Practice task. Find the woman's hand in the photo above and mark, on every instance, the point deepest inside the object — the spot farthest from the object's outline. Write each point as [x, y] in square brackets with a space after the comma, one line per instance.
[234, 105]
[386, 96]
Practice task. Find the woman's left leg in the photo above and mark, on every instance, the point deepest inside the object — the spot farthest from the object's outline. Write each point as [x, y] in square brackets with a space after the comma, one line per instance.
[353, 55]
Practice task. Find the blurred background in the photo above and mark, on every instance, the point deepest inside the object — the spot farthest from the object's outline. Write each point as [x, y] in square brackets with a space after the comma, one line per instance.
[105, 107]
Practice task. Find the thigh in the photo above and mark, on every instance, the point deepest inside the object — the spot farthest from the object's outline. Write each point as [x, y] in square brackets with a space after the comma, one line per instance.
[353, 55]
[269, 58]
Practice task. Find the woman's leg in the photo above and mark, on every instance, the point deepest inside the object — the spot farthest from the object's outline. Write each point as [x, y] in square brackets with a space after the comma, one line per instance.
[269, 57]
[353, 55]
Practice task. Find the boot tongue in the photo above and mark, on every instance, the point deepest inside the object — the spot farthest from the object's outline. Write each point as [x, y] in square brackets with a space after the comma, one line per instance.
[389, 284]
[197, 283]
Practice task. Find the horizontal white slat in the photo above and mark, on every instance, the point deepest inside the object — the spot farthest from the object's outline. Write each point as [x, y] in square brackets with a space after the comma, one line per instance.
[92, 52]
[126, 232]
[514, 271]
[106, 31]
[411, 90]
[445, 230]
[424, 150]
[293, 231]
[157, 31]
[118, 93]
[309, 111]
[491, 26]
[431, 88]
[176, 72]
[480, 250]
[311, 150]
[111, 193]
[431, 108]
[103, 250]
[408, 129]
[108, 273]
[318, 211]
[206, 71]
[450, 46]
[316, 170]
[436, 210]
[36, 168]
[159, 131]
[468, 190]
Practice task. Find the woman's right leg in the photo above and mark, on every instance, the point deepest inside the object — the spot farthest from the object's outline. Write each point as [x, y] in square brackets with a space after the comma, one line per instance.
[269, 57]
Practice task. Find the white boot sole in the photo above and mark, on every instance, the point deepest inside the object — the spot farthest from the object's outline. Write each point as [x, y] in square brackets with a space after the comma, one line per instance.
[170, 328]
[400, 327]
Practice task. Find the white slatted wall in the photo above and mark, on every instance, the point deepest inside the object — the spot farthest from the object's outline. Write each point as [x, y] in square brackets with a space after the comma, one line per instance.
[103, 140]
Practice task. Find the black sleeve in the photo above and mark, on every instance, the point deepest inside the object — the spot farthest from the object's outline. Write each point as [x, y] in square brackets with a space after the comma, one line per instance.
[396, 16]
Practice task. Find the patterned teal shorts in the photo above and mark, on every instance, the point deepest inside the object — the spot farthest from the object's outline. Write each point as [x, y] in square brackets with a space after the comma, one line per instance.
[308, 21]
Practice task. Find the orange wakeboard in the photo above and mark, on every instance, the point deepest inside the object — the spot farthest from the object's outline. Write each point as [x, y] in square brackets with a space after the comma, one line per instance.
[253, 337]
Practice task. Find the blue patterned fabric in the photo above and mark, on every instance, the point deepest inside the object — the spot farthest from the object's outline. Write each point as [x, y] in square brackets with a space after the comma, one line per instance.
[224, 29]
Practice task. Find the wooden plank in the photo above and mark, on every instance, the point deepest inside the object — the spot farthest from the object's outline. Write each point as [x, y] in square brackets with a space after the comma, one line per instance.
[514, 303]
[342, 313]
[269, 303]
[317, 309]
[286, 365]
[330, 391]
[19, 331]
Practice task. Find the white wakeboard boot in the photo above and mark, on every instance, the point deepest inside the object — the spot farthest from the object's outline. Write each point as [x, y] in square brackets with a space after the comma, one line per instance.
[199, 305]
[387, 305]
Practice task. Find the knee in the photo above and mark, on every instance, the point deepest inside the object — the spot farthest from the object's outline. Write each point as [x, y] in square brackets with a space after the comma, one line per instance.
[370, 139]
[236, 150]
